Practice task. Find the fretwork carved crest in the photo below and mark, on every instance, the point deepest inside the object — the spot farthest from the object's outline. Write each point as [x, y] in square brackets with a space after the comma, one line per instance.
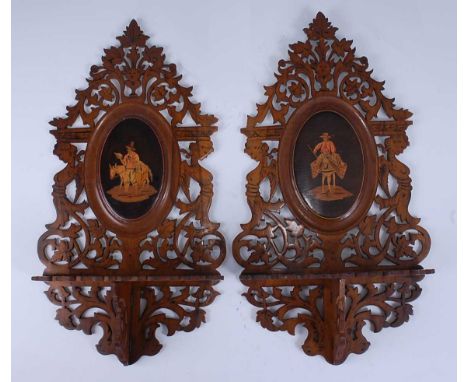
[329, 199]
[132, 203]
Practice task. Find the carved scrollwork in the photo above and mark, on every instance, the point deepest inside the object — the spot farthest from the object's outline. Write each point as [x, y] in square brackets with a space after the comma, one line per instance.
[395, 235]
[336, 332]
[98, 263]
[322, 65]
[327, 66]
[132, 72]
[85, 307]
[73, 238]
[280, 243]
[328, 273]
[182, 243]
[193, 240]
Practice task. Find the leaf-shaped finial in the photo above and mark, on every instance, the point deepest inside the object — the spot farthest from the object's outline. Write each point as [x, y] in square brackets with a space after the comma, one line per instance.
[133, 35]
[320, 28]
[320, 16]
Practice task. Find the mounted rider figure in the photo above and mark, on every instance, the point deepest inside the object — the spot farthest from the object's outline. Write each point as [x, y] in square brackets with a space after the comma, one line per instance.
[328, 162]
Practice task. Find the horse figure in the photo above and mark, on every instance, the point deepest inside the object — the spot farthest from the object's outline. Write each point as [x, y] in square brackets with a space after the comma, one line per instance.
[142, 175]
[139, 177]
[328, 165]
[124, 174]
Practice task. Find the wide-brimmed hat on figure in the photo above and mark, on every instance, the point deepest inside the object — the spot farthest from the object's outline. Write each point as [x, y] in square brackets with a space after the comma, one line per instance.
[325, 135]
[131, 146]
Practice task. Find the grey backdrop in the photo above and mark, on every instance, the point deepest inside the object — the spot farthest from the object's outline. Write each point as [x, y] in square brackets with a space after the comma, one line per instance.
[228, 50]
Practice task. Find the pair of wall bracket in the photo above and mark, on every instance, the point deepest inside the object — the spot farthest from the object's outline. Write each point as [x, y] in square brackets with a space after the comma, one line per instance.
[330, 246]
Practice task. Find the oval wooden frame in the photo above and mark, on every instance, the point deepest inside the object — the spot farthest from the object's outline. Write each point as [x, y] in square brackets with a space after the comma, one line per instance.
[171, 160]
[293, 197]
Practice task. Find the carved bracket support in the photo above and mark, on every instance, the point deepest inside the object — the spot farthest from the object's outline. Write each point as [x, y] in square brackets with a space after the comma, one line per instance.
[130, 311]
[333, 308]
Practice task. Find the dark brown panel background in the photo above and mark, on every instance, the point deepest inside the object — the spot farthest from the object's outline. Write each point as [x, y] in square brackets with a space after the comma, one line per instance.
[347, 146]
[149, 150]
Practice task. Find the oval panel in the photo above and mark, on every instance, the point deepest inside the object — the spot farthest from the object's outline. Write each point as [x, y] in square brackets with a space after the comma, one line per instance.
[328, 164]
[131, 168]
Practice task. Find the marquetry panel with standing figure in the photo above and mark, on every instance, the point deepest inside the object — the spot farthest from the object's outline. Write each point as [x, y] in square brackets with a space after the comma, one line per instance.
[132, 203]
[329, 196]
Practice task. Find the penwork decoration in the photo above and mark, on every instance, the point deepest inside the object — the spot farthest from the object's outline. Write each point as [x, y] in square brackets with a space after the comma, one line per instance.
[132, 248]
[331, 245]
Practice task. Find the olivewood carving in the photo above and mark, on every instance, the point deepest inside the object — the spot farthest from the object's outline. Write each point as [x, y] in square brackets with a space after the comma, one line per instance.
[283, 243]
[169, 256]
[146, 306]
[334, 311]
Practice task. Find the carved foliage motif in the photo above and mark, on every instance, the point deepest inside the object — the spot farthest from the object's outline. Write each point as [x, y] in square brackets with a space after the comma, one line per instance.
[380, 304]
[133, 72]
[313, 275]
[106, 270]
[112, 307]
[321, 66]
[324, 64]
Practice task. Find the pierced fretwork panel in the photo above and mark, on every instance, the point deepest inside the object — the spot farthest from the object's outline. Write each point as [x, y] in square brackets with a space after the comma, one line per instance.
[130, 314]
[329, 200]
[334, 331]
[132, 248]
[133, 72]
[327, 66]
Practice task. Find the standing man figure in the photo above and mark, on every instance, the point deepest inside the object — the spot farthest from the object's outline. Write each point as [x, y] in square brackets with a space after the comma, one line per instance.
[131, 161]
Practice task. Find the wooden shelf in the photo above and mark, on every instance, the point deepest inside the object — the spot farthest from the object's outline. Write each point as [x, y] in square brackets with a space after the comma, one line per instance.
[338, 275]
[124, 278]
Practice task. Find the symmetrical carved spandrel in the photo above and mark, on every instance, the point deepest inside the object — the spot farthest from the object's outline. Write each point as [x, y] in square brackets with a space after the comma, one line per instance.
[133, 71]
[324, 65]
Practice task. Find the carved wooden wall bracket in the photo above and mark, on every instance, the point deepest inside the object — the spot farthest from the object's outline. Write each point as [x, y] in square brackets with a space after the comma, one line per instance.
[331, 244]
[132, 248]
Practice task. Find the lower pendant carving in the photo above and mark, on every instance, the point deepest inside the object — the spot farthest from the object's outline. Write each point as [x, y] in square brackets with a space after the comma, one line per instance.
[334, 311]
[129, 313]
